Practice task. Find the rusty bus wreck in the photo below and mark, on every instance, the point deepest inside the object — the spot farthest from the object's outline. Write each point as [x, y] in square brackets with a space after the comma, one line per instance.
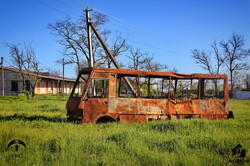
[137, 96]
[106, 95]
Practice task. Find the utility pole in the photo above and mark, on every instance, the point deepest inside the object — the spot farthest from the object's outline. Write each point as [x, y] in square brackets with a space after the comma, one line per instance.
[91, 59]
[90, 26]
[2, 77]
[63, 63]
[110, 55]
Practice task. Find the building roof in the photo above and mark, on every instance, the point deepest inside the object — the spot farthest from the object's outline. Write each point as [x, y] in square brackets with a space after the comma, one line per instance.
[45, 75]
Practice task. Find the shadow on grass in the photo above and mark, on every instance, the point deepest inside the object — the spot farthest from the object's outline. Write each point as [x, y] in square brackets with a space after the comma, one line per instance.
[33, 118]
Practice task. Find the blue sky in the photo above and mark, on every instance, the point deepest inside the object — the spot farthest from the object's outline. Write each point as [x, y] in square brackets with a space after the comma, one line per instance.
[169, 29]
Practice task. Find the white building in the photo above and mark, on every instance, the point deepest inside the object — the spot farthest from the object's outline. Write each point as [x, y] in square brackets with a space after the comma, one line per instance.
[47, 83]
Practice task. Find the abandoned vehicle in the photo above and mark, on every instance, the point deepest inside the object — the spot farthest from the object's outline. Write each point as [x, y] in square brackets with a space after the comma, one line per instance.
[138, 96]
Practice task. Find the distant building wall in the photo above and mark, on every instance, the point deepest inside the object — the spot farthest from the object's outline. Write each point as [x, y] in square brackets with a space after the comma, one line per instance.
[45, 86]
[9, 77]
[241, 95]
[13, 84]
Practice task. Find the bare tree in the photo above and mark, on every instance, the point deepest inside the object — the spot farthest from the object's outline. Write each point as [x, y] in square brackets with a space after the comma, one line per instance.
[247, 82]
[202, 58]
[243, 80]
[235, 56]
[72, 35]
[53, 71]
[138, 59]
[173, 70]
[23, 58]
[210, 61]
[152, 65]
[219, 60]
[118, 46]
[143, 61]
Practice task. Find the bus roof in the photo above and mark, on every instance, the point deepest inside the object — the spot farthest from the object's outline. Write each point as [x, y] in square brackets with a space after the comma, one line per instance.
[152, 74]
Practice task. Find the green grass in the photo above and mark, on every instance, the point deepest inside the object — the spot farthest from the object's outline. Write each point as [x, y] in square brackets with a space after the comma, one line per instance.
[47, 107]
[50, 140]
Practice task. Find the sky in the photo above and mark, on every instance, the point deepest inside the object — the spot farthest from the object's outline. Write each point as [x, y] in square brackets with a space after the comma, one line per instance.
[167, 29]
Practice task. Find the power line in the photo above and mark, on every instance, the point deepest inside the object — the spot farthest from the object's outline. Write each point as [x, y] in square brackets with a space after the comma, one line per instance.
[178, 51]
[122, 21]
[116, 18]
[160, 49]
[84, 4]
[66, 5]
[52, 7]
[8, 63]
[70, 2]
[154, 34]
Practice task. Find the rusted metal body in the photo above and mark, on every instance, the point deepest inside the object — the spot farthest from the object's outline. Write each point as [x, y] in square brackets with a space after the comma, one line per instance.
[110, 105]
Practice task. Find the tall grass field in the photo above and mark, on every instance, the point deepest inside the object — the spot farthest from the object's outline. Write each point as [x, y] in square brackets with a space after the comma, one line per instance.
[50, 140]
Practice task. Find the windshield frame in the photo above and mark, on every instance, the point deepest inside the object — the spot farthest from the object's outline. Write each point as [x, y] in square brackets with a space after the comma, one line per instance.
[77, 82]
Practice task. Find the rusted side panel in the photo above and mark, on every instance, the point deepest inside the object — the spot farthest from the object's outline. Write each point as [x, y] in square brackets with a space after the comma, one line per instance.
[112, 105]
[212, 109]
[100, 75]
[112, 85]
[73, 103]
[73, 110]
[209, 109]
[127, 105]
[93, 108]
[138, 106]
[152, 106]
[181, 107]
[226, 95]
[133, 118]
[139, 110]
